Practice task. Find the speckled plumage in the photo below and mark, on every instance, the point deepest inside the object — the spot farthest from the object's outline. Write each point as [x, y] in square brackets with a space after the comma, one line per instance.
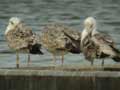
[55, 40]
[21, 38]
[96, 44]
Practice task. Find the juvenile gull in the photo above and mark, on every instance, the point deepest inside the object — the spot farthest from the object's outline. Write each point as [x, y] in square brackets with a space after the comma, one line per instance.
[21, 39]
[60, 39]
[97, 44]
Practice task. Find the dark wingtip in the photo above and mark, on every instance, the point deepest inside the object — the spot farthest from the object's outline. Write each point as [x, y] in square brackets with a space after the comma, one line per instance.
[73, 49]
[40, 52]
[116, 59]
[36, 49]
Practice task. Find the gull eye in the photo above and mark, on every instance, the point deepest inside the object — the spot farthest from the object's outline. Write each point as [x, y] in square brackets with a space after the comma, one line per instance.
[12, 23]
[91, 26]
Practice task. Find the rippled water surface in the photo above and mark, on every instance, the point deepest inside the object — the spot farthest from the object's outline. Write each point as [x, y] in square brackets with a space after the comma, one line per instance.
[37, 13]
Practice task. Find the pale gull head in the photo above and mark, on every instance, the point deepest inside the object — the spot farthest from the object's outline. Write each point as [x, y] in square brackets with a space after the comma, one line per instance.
[13, 22]
[89, 27]
[90, 24]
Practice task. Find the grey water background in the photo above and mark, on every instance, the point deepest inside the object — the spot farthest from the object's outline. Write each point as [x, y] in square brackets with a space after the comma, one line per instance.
[37, 13]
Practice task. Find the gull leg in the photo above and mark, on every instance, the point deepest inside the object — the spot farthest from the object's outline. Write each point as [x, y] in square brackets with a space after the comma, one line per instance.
[62, 57]
[92, 62]
[29, 61]
[54, 58]
[17, 59]
[102, 64]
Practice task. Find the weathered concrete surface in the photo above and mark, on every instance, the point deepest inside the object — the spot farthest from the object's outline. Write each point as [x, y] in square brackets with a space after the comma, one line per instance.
[60, 78]
[58, 73]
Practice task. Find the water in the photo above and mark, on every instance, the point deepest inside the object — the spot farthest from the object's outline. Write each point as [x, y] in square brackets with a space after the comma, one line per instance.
[37, 13]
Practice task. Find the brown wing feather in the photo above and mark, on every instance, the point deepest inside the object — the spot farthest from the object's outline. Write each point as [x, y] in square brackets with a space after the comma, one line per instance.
[104, 38]
[54, 38]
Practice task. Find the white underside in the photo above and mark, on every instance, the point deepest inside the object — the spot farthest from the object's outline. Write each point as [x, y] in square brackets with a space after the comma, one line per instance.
[9, 27]
[83, 35]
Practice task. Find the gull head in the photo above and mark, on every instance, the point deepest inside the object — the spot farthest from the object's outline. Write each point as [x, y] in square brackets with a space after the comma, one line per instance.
[13, 23]
[90, 24]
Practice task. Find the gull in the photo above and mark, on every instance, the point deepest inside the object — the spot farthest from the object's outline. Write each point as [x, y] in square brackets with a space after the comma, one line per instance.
[21, 39]
[96, 44]
[60, 39]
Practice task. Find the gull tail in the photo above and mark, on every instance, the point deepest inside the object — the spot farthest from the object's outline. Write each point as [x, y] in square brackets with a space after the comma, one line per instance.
[35, 49]
[117, 57]
[74, 45]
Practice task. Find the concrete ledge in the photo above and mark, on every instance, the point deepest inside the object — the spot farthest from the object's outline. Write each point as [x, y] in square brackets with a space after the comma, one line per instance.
[7, 72]
[59, 78]
[63, 71]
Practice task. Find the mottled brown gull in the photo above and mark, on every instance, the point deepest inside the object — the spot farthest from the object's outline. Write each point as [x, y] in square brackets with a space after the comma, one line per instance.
[21, 39]
[96, 44]
[60, 39]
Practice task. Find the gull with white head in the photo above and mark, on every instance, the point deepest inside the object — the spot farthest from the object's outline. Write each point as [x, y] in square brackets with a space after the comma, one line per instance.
[21, 38]
[96, 44]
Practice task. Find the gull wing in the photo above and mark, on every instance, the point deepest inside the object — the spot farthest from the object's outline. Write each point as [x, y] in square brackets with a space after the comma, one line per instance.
[104, 39]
